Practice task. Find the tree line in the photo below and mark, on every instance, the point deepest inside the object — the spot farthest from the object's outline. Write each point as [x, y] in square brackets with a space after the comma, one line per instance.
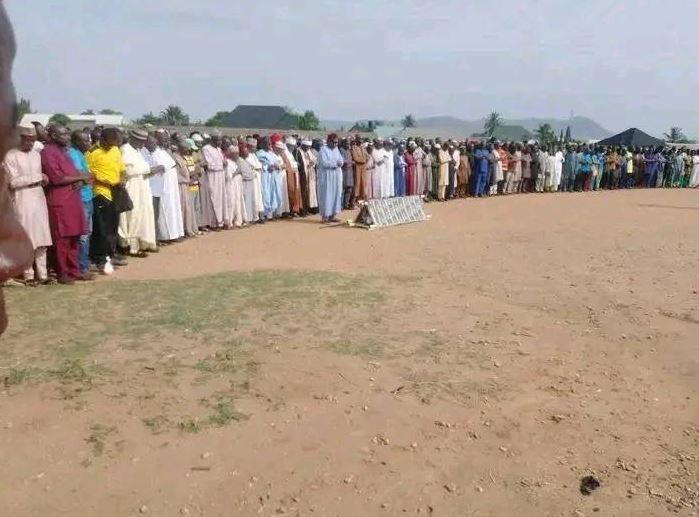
[174, 115]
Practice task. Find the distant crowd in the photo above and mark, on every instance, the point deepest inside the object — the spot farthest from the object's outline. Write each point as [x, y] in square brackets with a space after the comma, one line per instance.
[90, 199]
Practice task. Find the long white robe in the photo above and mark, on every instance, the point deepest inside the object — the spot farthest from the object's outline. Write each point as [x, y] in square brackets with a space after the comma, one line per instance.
[378, 180]
[419, 155]
[170, 224]
[550, 170]
[212, 186]
[233, 200]
[694, 178]
[284, 207]
[137, 226]
[30, 203]
[389, 178]
[557, 170]
[258, 204]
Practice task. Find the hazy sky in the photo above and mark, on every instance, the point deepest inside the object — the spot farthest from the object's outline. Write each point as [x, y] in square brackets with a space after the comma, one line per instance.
[623, 63]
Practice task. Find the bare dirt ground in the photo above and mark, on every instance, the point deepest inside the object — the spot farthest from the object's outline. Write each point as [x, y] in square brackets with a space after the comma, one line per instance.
[479, 364]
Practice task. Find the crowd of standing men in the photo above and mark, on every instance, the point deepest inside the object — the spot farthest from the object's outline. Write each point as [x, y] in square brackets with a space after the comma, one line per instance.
[94, 197]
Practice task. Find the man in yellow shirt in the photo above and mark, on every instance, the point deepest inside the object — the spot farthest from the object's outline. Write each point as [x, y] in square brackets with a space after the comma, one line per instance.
[107, 167]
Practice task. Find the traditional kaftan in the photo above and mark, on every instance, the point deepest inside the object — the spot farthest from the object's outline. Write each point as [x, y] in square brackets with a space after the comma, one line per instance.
[170, 225]
[330, 182]
[137, 226]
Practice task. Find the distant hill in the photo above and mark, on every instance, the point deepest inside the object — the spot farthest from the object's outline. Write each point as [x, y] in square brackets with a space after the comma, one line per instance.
[581, 127]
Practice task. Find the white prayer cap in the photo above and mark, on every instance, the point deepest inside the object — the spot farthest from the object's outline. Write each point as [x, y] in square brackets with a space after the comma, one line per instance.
[27, 130]
[306, 142]
[279, 145]
[290, 140]
[233, 149]
[197, 138]
[206, 136]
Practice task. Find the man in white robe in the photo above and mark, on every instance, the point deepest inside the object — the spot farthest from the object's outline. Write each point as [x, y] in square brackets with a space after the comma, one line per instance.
[213, 182]
[137, 226]
[419, 156]
[25, 181]
[251, 158]
[557, 169]
[389, 183]
[170, 224]
[378, 154]
[234, 201]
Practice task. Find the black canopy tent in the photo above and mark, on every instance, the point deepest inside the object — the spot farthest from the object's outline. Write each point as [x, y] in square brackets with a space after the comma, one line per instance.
[632, 137]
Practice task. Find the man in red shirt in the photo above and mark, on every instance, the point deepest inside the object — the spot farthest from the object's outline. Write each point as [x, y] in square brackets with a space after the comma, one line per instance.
[66, 214]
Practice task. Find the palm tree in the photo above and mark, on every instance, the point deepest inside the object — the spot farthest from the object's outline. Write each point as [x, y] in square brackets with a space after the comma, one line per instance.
[174, 116]
[492, 122]
[675, 135]
[408, 121]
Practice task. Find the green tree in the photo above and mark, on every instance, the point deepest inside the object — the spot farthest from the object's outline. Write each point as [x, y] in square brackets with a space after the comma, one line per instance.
[408, 121]
[87, 112]
[545, 134]
[149, 118]
[174, 116]
[109, 111]
[60, 118]
[309, 122]
[218, 120]
[676, 135]
[568, 136]
[492, 123]
[24, 107]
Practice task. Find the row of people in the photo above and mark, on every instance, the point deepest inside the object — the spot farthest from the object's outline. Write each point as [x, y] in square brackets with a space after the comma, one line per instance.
[94, 198]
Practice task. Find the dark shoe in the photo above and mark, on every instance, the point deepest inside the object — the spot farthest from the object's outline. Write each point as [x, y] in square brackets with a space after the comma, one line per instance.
[118, 262]
[86, 277]
[66, 281]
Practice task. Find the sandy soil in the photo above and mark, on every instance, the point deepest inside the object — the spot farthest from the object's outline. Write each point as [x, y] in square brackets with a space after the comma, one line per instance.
[544, 338]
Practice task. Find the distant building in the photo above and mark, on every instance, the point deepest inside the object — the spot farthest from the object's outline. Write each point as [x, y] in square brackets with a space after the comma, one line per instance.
[261, 117]
[85, 120]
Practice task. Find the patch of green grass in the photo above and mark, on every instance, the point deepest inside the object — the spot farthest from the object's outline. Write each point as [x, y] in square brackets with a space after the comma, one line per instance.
[16, 376]
[71, 371]
[118, 334]
[225, 413]
[190, 425]
[98, 437]
[211, 306]
[157, 424]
